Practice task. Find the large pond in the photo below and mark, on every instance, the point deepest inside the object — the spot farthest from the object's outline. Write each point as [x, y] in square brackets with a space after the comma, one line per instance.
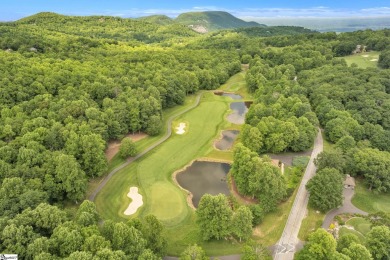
[227, 140]
[204, 178]
[239, 111]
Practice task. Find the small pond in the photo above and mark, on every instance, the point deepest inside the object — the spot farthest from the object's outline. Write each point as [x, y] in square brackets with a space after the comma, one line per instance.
[227, 140]
[239, 111]
[232, 95]
[204, 178]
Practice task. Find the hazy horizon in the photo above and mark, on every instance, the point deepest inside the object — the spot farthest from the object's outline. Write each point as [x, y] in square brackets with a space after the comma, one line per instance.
[322, 16]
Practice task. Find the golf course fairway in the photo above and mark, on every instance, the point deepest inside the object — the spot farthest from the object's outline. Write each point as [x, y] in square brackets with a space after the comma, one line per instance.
[152, 174]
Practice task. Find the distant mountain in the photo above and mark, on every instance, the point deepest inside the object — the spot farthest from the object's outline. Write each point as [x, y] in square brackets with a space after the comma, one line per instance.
[158, 19]
[213, 20]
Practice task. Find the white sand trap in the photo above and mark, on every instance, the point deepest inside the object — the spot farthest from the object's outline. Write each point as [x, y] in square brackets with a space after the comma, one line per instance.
[374, 60]
[180, 129]
[365, 56]
[135, 203]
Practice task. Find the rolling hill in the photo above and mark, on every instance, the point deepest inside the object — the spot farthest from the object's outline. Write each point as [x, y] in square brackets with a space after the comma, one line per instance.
[213, 20]
[158, 19]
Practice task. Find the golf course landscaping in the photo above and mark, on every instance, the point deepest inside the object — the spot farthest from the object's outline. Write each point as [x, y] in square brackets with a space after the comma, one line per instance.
[364, 60]
[152, 174]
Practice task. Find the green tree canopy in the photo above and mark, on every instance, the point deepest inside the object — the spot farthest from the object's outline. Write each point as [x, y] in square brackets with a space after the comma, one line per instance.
[326, 189]
[193, 252]
[214, 216]
[127, 148]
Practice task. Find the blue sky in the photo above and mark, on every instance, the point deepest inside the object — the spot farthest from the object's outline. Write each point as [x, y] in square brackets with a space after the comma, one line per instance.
[15, 9]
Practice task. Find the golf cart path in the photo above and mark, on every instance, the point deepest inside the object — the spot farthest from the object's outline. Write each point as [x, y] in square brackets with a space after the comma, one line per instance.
[132, 159]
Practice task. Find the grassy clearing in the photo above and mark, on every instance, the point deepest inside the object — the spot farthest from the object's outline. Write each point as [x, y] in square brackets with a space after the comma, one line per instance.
[271, 229]
[343, 231]
[310, 223]
[369, 201]
[360, 224]
[328, 146]
[364, 60]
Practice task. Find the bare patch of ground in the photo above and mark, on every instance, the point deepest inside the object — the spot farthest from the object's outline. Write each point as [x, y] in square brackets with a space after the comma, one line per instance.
[113, 146]
[374, 60]
[287, 158]
[136, 201]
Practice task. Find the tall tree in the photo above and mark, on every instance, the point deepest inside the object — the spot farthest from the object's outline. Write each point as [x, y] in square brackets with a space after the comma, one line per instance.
[242, 223]
[193, 252]
[321, 246]
[214, 216]
[71, 177]
[326, 189]
[152, 230]
[357, 252]
[127, 148]
[128, 239]
[255, 251]
[378, 241]
[87, 214]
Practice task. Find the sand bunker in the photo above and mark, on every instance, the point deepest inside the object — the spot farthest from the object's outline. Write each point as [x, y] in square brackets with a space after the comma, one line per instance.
[180, 129]
[365, 56]
[135, 203]
[374, 60]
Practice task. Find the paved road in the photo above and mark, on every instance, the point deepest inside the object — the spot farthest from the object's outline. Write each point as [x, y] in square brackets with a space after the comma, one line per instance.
[289, 242]
[347, 207]
[132, 159]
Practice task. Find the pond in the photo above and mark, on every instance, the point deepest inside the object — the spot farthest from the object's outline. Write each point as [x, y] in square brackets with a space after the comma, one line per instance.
[232, 95]
[227, 140]
[204, 178]
[239, 111]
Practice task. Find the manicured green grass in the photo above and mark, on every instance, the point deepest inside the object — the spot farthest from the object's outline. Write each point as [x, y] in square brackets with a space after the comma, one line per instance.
[360, 224]
[152, 173]
[237, 84]
[364, 60]
[369, 201]
[143, 143]
[310, 223]
[343, 231]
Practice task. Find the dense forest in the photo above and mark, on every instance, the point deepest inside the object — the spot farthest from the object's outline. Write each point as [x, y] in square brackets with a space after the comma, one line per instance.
[70, 84]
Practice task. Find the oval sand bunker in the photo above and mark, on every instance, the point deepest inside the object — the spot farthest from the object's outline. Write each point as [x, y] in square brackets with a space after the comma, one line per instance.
[180, 129]
[135, 203]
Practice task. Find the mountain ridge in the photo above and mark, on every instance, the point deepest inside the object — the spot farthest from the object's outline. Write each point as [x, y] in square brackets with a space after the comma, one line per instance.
[213, 20]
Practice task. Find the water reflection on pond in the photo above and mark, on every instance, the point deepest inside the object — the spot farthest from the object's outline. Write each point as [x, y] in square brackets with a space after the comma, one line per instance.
[226, 142]
[239, 111]
[204, 178]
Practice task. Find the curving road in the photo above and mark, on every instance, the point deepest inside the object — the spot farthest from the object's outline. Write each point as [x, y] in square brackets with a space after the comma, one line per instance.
[347, 207]
[289, 242]
[132, 159]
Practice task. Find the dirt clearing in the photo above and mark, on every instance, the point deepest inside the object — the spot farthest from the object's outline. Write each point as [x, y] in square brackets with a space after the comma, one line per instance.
[113, 146]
